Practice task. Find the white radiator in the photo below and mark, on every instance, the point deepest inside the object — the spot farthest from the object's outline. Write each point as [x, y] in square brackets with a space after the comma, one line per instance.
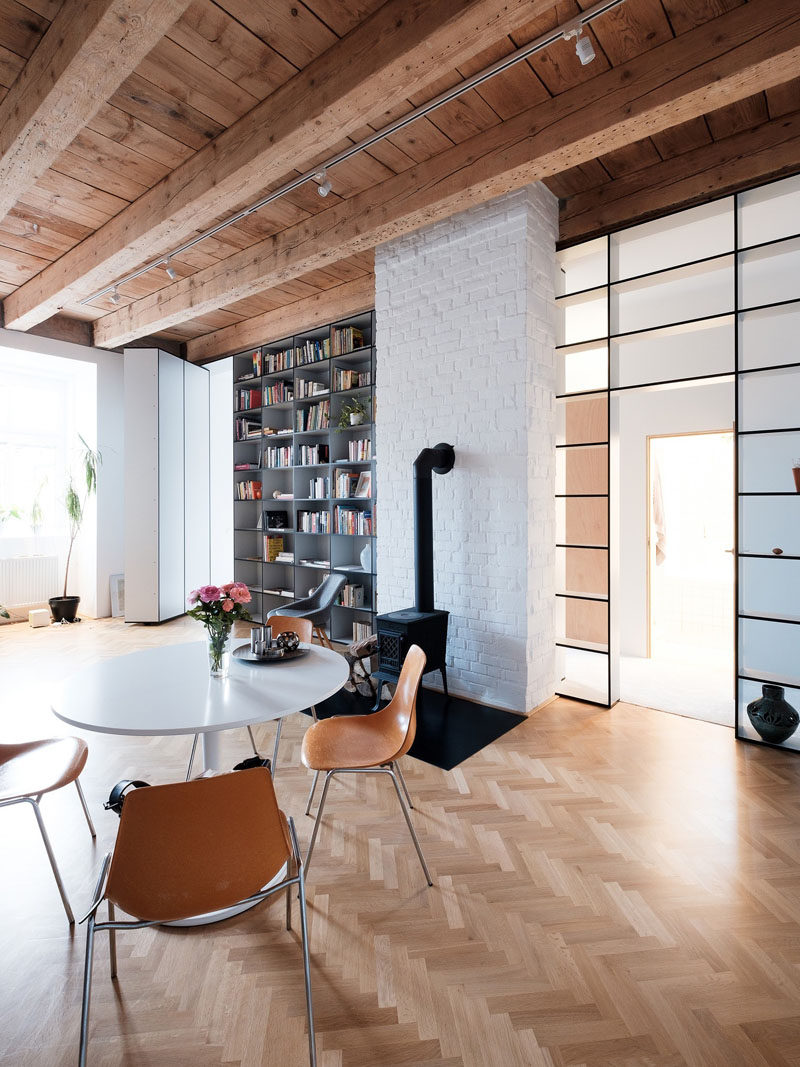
[28, 580]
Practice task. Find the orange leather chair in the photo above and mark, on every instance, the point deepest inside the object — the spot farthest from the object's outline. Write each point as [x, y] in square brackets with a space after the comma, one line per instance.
[279, 624]
[368, 744]
[193, 848]
[32, 768]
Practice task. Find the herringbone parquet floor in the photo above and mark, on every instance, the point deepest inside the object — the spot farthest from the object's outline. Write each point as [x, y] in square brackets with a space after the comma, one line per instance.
[611, 888]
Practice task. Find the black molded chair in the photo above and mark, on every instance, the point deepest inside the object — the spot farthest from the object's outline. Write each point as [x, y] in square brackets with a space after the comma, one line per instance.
[317, 607]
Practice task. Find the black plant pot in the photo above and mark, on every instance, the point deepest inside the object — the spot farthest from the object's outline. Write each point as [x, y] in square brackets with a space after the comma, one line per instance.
[773, 718]
[64, 608]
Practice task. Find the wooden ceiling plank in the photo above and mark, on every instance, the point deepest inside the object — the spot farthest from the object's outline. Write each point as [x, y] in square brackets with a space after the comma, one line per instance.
[10, 66]
[784, 99]
[340, 16]
[342, 300]
[684, 137]
[396, 51]
[751, 47]
[23, 28]
[220, 41]
[738, 116]
[147, 102]
[292, 30]
[711, 170]
[688, 16]
[85, 54]
[131, 132]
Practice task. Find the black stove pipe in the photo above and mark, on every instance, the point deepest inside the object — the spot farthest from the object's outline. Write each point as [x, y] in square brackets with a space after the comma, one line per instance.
[440, 459]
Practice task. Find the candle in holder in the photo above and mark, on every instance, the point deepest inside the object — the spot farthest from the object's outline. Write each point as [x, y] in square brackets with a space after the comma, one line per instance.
[796, 473]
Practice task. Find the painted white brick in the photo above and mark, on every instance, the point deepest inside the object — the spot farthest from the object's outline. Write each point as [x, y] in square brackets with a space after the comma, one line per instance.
[465, 337]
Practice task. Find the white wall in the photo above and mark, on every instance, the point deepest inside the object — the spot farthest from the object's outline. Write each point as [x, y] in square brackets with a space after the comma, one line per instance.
[99, 552]
[465, 336]
[220, 481]
[644, 413]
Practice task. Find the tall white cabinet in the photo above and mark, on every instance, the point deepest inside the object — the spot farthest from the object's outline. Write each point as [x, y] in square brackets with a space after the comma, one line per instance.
[167, 511]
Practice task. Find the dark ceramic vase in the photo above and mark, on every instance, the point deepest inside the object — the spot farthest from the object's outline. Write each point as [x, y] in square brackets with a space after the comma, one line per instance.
[773, 718]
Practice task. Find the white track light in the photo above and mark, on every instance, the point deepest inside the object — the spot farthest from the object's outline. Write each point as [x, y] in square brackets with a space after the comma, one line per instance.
[170, 270]
[584, 49]
[115, 297]
[324, 186]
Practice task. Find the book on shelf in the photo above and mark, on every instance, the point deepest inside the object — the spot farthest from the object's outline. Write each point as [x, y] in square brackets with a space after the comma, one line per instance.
[324, 563]
[352, 521]
[310, 387]
[277, 431]
[284, 557]
[278, 457]
[361, 631]
[276, 361]
[245, 467]
[313, 455]
[278, 393]
[278, 495]
[273, 520]
[351, 379]
[312, 352]
[247, 490]
[287, 592]
[247, 429]
[255, 367]
[273, 546]
[319, 488]
[316, 417]
[354, 568]
[352, 596]
[359, 451]
[346, 482]
[345, 339]
[314, 522]
[246, 399]
[364, 486]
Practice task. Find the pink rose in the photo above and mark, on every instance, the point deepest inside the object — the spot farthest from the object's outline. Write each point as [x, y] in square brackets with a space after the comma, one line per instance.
[227, 587]
[209, 593]
[193, 597]
[240, 593]
[227, 605]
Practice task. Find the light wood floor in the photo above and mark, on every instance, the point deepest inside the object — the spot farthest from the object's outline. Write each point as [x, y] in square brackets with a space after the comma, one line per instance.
[615, 888]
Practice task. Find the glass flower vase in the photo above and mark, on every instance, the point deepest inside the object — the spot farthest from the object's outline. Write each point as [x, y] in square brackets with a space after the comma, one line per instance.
[219, 652]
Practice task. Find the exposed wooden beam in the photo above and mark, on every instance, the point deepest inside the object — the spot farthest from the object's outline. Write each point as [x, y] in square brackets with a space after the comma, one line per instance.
[87, 52]
[346, 299]
[736, 55]
[746, 158]
[394, 54]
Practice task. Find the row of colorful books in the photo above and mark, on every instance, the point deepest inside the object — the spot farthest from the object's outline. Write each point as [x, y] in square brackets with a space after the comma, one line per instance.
[245, 399]
[345, 339]
[351, 379]
[317, 417]
[359, 451]
[247, 429]
[314, 522]
[352, 596]
[310, 387]
[278, 393]
[247, 490]
[319, 488]
[352, 521]
[313, 455]
[279, 457]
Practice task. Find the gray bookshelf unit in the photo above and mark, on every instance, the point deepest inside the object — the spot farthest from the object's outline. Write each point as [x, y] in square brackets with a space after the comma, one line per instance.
[287, 442]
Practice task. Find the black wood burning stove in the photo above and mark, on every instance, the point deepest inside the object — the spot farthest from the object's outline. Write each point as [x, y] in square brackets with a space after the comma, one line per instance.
[422, 624]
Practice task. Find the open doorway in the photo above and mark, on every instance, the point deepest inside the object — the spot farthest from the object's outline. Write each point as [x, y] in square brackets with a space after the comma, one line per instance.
[677, 496]
[690, 553]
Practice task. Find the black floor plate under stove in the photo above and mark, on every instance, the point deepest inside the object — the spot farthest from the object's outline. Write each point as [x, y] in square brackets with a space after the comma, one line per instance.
[448, 730]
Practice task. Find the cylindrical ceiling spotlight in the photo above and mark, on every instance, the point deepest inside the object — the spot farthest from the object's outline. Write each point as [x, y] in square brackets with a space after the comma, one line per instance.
[584, 49]
[324, 186]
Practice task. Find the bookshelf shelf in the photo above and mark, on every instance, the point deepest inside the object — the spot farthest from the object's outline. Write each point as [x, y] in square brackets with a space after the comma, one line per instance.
[311, 360]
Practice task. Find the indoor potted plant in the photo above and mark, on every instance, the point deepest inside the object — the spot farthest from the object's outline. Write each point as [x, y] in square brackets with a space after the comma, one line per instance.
[354, 412]
[65, 608]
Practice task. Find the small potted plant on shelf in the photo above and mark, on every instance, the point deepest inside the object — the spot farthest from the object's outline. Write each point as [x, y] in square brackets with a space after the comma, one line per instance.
[218, 607]
[65, 608]
[354, 412]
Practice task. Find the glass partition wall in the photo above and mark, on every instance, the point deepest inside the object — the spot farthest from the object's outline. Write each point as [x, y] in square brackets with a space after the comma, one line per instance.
[711, 292]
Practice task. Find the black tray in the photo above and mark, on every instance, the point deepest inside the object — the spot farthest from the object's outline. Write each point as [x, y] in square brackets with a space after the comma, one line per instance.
[274, 655]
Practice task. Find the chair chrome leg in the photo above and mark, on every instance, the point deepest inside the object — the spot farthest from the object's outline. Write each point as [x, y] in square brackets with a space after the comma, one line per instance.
[314, 713]
[328, 776]
[87, 992]
[403, 783]
[410, 827]
[112, 941]
[312, 1052]
[191, 758]
[252, 740]
[311, 794]
[275, 749]
[92, 830]
[52, 858]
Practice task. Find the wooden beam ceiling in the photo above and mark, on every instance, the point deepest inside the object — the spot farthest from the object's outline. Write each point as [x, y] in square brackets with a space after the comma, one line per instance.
[346, 299]
[736, 55]
[87, 52]
[396, 52]
[712, 170]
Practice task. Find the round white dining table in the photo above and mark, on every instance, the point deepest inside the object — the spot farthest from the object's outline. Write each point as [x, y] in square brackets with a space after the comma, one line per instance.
[168, 690]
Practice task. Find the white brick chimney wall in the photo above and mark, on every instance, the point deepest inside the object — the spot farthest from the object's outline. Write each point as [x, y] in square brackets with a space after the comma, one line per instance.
[465, 351]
